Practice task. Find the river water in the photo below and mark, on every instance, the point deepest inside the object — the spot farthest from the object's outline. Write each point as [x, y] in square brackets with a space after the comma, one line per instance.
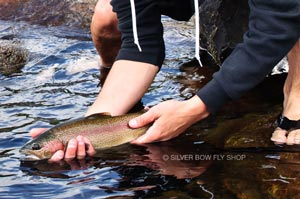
[60, 82]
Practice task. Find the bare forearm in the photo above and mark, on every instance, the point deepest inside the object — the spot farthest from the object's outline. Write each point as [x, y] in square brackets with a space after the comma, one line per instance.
[126, 83]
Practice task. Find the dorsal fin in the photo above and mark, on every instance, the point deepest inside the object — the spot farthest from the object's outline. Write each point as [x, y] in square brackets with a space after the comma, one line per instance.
[99, 115]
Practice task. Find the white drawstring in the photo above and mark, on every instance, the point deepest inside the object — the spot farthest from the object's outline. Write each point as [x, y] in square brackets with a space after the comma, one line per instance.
[197, 36]
[134, 26]
[197, 24]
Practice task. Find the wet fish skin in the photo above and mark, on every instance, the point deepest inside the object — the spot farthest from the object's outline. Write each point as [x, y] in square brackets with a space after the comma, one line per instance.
[104, 131]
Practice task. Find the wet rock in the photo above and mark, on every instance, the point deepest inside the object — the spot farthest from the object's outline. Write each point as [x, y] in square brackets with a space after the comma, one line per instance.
[261, 178]
[252, 131]
[13, 57]
[54, 13]
[223, 23]
[281, 179]
[242, 189]
[290, 158]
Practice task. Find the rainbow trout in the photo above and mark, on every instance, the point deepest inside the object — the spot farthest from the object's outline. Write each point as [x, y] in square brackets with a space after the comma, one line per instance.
[104, 131]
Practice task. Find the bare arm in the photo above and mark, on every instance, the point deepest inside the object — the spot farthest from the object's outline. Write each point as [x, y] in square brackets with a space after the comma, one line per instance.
[125, 85]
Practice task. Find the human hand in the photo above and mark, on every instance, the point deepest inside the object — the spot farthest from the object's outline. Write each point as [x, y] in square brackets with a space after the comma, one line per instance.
[170, 118]
[76, 147]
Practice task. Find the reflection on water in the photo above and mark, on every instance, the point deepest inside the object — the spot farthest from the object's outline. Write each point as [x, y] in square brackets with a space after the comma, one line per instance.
[60, 81]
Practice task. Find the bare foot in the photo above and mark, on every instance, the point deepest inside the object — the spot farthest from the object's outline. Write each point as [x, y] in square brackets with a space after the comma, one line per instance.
[279, 136]
[291, 106]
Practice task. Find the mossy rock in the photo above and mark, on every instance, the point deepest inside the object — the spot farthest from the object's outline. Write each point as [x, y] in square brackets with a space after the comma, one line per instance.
[13, 57]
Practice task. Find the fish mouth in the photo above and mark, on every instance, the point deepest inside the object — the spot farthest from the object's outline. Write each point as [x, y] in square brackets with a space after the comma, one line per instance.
[31, 158]
[31, 155]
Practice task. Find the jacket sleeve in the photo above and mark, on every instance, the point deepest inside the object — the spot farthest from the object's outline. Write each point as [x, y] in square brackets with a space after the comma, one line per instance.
[274, 27]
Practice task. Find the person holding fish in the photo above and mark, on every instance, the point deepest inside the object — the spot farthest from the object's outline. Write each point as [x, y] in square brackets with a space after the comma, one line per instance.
[128, 36]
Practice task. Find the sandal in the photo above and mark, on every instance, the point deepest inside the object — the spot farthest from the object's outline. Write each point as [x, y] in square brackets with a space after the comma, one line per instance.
[287, 124]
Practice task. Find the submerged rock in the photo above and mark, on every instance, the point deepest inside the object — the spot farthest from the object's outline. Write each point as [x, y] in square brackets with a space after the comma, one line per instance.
[262, 178]
[13, 57]
[254, 131]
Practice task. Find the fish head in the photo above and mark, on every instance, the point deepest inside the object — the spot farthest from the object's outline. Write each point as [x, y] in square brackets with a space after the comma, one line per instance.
[40, 149]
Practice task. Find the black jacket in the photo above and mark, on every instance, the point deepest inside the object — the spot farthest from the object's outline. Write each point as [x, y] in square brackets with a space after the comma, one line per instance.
[274, 28]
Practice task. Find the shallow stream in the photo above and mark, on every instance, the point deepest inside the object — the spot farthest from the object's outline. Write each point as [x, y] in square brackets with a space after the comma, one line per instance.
[60, 82]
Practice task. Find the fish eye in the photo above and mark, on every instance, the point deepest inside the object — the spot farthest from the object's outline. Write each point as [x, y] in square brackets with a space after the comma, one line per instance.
[35, 146]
